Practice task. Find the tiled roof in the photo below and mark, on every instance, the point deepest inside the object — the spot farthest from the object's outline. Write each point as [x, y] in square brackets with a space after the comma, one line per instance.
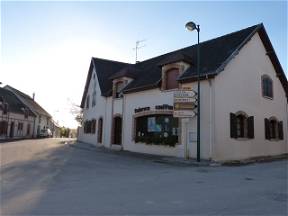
[214, 55]
[14, 104]
[32, 104]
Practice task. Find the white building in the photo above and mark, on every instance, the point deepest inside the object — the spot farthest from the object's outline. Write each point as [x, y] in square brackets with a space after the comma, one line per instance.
[43, 119]
[16, 119]
[243, 101]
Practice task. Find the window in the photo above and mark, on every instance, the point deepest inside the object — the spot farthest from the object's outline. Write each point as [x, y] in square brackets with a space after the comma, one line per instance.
[28, 129]
[267, 86]
[87, 101]
[94, 94]
[26, 113]
[273, 129]
[118, 89]
[93, 126]
[39, 119]
[157, 129]
[20, 126]
[90, 126]
[241, 126]
[3, 127]
[100, 128]
[171, 79]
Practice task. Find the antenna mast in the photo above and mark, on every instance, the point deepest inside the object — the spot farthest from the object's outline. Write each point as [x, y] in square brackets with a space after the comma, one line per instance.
[137, 47]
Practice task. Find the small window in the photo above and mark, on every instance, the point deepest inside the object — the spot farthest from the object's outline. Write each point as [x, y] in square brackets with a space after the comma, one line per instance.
[267, 86]
[273, 129]
[118, 89]
[20, 126]
[241, 126]
[87, 101]
[100, 130]
[171, 79]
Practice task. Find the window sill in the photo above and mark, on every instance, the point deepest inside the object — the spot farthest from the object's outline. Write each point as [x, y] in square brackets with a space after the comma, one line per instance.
[274, 139]
[243, 139]
[267, 97]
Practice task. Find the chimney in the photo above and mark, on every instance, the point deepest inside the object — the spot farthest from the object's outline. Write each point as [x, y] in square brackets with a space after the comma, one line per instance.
[33, 97]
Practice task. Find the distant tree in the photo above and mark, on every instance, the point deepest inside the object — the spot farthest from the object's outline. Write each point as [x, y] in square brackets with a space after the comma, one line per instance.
[77, 112]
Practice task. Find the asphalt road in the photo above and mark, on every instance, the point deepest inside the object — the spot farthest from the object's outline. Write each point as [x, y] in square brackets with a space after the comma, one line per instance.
[45, 177]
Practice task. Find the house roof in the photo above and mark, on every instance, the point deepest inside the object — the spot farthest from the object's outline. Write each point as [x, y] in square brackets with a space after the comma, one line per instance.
[15, 105]
[215, 54]
[32, 104]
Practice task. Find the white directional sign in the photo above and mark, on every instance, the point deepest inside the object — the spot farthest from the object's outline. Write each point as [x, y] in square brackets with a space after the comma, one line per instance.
[185, 101]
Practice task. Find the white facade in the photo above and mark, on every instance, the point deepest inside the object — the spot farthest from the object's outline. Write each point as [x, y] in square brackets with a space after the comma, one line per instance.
[237, 88]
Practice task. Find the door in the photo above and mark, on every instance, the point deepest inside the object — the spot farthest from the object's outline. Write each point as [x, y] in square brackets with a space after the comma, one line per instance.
[11, 130]
[117, 130]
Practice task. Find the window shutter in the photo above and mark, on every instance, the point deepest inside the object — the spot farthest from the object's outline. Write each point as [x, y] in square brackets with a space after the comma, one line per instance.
[233, 126]
[280, 130]
[250, 125]
[267, 129]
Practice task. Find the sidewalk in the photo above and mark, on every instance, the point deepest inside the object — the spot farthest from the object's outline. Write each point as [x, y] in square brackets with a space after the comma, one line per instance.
[154, 158]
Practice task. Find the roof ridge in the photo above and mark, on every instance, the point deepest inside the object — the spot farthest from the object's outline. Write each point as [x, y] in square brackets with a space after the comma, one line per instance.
[201, 43]
[103, 59]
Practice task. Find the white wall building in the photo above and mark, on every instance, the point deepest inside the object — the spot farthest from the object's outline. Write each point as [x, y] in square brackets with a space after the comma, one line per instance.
[243, 101]
[43, 119]
[16, 119]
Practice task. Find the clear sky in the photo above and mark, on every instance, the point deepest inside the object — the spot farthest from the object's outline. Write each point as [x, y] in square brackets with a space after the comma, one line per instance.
[46, 47]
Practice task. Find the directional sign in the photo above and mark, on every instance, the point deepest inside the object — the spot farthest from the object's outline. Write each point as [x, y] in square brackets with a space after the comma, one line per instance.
[184, 114]
[185, 101]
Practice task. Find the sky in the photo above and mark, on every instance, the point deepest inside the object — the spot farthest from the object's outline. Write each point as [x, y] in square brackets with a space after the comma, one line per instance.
[46, 47]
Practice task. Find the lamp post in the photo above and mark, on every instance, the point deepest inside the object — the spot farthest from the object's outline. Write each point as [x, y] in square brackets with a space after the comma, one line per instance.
[191, 26]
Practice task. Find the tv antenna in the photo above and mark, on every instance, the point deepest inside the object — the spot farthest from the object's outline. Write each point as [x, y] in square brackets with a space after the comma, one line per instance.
[137, 47]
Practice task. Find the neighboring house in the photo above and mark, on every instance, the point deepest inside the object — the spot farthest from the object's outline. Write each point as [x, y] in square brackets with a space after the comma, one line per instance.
[43, 119]
[243, 100]
[16, 119]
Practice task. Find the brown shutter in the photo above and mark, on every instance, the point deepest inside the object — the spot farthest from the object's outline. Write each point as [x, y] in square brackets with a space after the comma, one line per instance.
[250, 125]
[280, 130]
[233, 126]
[267, 129]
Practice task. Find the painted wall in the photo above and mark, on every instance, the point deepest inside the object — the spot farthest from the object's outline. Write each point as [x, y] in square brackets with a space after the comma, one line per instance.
[17, 118]
[95, 112]
[238, 88]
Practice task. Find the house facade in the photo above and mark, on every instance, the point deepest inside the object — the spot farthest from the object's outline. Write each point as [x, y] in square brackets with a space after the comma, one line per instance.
[43, 120]
[244, 111]
[16, 119]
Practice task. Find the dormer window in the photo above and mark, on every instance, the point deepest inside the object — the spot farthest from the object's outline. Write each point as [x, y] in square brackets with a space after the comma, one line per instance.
[267, 87]
[118, 89]
[171, 79]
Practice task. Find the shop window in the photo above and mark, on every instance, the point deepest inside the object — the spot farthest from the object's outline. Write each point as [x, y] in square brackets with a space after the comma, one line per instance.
[156, 129]
[273, 129]
[3, 127]
[241, 126]
[100, 130]
[267, 86]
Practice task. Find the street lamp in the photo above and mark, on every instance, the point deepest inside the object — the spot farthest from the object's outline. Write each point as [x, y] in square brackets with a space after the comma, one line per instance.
[191, 26]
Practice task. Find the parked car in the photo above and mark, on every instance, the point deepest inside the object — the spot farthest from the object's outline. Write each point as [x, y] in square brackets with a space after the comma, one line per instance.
[44, 133]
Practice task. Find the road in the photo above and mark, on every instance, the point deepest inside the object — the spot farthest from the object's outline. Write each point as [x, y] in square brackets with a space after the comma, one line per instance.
[46, 177]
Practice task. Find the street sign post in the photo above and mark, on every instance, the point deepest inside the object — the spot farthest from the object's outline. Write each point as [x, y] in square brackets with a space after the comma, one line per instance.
[185, 102]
